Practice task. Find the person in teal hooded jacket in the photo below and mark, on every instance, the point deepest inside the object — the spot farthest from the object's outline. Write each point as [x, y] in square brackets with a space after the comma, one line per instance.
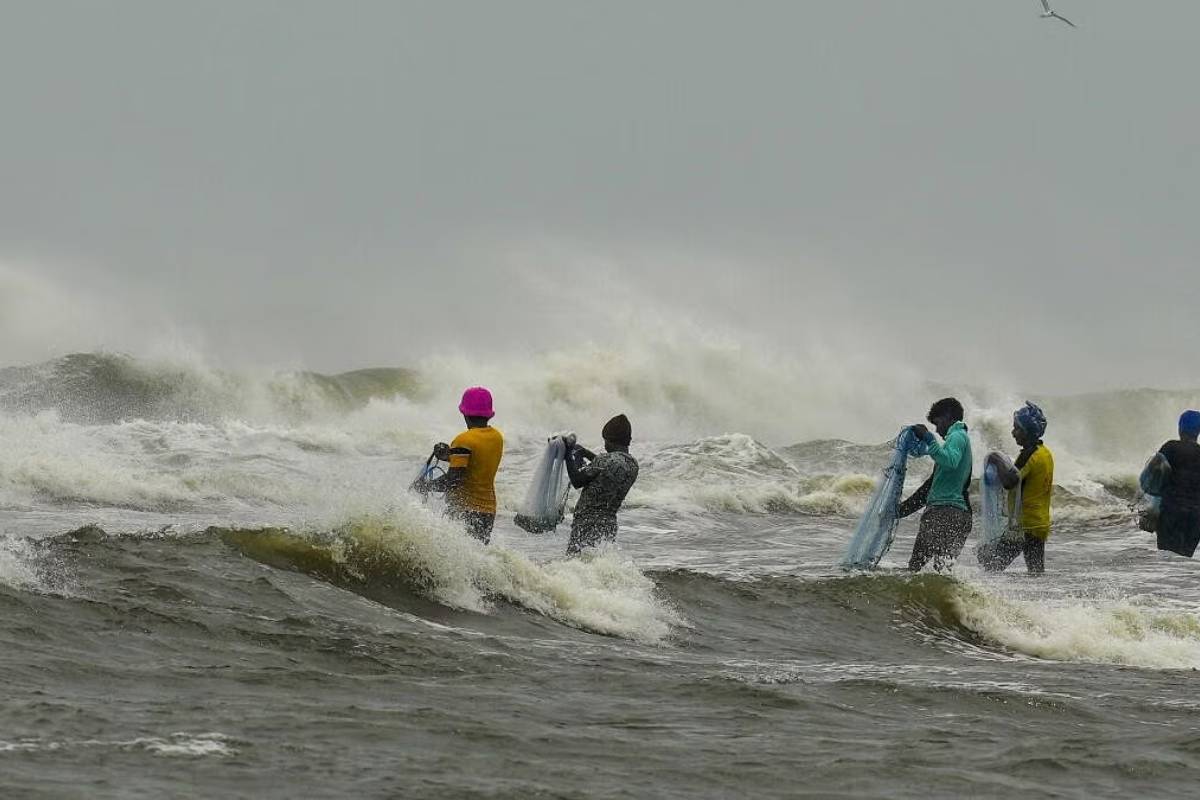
[946, 523]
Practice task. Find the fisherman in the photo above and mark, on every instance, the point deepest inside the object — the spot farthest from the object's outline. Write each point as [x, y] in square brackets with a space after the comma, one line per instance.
[1033, 474]
[474, 456]
[946, 522]
[1178, 527]
[605, 481]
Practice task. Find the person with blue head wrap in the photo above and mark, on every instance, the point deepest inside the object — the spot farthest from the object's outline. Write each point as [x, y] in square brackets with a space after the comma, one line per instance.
[1189, 424]
[1178, 527]
[1030, 484]
[1031, 420]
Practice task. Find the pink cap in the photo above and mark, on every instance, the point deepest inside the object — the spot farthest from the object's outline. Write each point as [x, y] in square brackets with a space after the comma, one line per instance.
[477, 402]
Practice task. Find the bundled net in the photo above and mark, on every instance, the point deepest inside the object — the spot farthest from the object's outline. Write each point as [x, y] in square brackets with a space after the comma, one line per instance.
[1151, 482]
[997, 517]
[546, 500]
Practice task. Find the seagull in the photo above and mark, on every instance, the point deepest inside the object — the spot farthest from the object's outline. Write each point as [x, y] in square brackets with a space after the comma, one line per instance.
[1052, 14]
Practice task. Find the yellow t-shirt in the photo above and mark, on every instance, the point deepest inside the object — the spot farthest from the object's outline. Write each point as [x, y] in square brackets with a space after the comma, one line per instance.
[478, 450]
[1037, 485]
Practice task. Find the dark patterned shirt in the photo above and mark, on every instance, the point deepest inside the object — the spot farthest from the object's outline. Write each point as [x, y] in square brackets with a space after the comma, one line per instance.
[609, 476]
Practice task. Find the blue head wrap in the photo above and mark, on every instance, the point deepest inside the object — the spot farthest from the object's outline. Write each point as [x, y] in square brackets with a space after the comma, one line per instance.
[1189, 423]
[1031, 420]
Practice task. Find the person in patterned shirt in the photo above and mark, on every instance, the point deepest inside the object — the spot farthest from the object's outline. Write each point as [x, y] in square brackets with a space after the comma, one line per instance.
[605, 481]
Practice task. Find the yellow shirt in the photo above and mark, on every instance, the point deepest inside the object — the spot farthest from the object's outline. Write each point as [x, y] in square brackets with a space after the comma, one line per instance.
[1037, 485]
[478, 450]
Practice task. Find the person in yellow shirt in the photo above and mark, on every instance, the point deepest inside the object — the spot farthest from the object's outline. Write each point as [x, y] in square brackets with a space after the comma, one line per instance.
[1033, 474]
[474, 456]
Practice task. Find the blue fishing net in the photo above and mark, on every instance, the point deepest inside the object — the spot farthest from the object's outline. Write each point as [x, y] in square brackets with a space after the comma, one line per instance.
[997, 518]
[1151, 482]
[877, 527]
[1154, 475]
[546, 500]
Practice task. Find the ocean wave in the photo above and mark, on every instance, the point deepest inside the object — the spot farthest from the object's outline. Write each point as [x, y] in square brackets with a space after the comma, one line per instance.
[414, 551]
[976, 620]
[736, 473]
[113, 430]
[19, 563]
[98, 388]
[1093, 631]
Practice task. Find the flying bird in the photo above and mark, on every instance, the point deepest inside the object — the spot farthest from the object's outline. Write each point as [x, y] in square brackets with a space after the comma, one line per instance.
[1052, 14]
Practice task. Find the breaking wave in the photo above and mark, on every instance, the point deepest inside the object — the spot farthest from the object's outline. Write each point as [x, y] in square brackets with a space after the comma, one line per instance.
[1093, 631]
[415, 552]
[97, 388]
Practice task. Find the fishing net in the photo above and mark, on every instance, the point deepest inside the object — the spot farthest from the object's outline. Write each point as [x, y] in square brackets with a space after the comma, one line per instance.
[431, 470]
[1151, 482]
[877, 527]
[997, 518]
[546, 500]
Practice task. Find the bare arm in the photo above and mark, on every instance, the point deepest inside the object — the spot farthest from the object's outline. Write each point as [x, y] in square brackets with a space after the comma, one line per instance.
[1008, 474]
[916, 500]
[460, 459]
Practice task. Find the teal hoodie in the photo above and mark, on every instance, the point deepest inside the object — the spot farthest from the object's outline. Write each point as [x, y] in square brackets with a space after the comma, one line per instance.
[953, 470]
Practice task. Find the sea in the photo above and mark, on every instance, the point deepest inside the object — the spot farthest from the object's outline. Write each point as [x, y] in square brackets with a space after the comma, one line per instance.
[214, 583]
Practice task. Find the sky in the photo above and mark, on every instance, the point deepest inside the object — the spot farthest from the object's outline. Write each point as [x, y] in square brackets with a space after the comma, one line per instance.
[957, 184]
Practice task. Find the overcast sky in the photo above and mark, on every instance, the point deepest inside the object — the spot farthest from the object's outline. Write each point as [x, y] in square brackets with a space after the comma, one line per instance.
[955, 182]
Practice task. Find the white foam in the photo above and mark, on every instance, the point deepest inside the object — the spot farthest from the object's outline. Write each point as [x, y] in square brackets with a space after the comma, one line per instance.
[18, 563]
[182, 744]
[601, 592]
[177, 744]
[734, 473]
[1096, 631]
[44, 456]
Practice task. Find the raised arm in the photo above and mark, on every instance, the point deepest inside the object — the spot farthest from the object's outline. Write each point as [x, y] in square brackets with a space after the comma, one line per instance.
[946, 454]
[580, 474]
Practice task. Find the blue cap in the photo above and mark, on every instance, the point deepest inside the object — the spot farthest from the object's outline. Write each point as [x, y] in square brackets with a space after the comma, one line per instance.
[1189, 423]
[1031, 420]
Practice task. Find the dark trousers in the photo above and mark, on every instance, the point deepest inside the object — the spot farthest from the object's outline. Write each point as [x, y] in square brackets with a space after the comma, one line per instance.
[1178, 529]
[478, 524]
[998, 555]
[943, 532]
[591, 531]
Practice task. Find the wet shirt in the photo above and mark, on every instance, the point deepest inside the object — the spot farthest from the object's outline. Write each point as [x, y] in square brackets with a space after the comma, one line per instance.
[610, 475]
[1037, 485]
[478, 451]
[952, 458]
[1182, 487]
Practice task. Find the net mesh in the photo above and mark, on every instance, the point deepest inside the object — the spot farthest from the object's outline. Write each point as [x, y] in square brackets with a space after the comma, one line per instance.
[877, 527]
[546, 498]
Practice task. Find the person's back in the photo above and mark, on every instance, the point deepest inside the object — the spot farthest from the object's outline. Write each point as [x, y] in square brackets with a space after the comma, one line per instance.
[479, 451]
[1178, 527]
[474, 456]
[1182, 486]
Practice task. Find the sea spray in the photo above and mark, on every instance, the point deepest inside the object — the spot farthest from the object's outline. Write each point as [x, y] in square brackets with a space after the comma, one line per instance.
[1082, 629]
[416, 551]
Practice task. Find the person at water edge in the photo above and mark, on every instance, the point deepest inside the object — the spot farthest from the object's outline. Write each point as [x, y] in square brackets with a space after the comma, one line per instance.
[1033, 474]
[474, 456]
[1178, 527]
[946, 522]
[605, 480]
